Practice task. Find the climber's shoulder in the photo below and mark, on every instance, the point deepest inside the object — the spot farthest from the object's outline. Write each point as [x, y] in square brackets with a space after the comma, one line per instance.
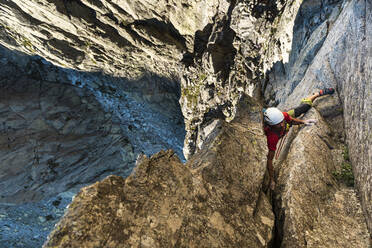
[287, 117]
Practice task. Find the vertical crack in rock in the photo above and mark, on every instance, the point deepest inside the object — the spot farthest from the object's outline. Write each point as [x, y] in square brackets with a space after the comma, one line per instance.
[276, 241]
[331, 68]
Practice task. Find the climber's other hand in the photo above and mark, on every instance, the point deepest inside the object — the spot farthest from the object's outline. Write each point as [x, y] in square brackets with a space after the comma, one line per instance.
[310, 122]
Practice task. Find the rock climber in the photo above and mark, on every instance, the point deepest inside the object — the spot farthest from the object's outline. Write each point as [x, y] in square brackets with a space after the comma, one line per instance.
[277, 124]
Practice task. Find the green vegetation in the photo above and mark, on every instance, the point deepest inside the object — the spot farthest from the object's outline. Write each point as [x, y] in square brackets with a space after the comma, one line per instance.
[88, 44]
[5, 27]
[124, 22]
[192, 92]
[19, 38]
[346, 154]
[27, 44]
[345, 173]
[202, 77]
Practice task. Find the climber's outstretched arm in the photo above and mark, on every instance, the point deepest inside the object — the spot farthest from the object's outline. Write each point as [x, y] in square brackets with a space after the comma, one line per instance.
[296, 121]
[308, 122]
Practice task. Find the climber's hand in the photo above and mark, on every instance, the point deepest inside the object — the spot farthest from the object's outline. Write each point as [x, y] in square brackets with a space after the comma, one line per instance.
[272, 184]
[310, 122]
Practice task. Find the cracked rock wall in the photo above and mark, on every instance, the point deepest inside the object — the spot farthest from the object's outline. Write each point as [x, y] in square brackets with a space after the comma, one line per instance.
[312, 208]
[210, 53]
[123, 38]
[343, 62]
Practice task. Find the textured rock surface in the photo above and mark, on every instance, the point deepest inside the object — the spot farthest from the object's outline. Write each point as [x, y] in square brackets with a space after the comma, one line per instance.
[58, 131]
[27, 225]
[344, 62]
[62, 129]
[50, 144]
[215, 200]
[247, 40]
[129, 52]
[312, 209]
[309, 29]
[226, 63]
[125, 38]
[216, 51]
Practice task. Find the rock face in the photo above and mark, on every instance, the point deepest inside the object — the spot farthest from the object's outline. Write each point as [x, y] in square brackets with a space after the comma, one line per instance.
[129, 62]
[123, 38]
[342, 62]
[312, 209]
[247, 40]
[226, 63]
[215, 200]
[63, 129]
[48, 143]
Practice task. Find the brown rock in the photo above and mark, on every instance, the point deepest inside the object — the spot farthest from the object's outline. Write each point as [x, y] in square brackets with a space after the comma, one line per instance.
[215, 200]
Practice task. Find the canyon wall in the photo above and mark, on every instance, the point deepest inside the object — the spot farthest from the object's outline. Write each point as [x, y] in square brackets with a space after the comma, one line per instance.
[87, 87]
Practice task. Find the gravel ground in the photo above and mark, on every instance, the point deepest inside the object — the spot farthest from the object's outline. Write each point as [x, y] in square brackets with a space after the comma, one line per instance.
[28, 225]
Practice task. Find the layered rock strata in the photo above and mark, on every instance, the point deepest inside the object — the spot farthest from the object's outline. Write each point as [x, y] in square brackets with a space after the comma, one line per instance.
[123, 38]
[56, 121]
[221, 50]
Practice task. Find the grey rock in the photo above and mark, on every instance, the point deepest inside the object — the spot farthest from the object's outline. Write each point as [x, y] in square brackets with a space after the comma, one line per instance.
[342, 62]
[39, 160]
[312, 209]
[87, 35]
[206, 54]
[53, 129]
[42, 219]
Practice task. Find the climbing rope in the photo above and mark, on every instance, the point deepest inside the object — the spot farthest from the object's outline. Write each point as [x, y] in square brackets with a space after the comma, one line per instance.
[280, 146]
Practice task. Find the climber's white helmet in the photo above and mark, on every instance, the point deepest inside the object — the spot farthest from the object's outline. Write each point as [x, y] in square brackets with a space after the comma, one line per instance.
[273, 116]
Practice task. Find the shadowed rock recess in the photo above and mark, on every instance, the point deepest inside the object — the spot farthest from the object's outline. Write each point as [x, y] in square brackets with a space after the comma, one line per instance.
[90, 89]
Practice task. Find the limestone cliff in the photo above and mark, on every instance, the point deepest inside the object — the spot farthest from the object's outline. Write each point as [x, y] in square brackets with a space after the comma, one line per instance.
[312, 208]
[124, 38]
[86, 86]
[60, 128]
[343, 61]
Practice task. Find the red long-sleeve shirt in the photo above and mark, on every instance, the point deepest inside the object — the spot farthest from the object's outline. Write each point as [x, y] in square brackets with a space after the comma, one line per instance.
[273, 137]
